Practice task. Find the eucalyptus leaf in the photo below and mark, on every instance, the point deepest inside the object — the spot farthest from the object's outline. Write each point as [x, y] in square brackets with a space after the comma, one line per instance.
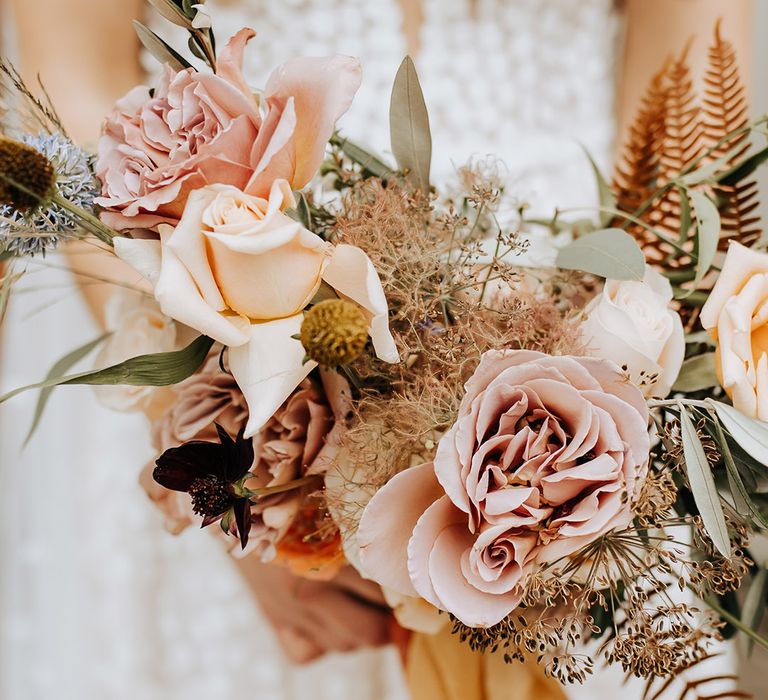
[301, 211]
[697, 373]
[703, 486]
[750, 434]
[707, 233]
[744, 169]
[685, 216]
[706, 173]
[157, 369]
[605, 193]
[159, 49]
[611, 253]
[755, 603]
[409, 126]
[364, 158]
[741, 497]
[58, 370]
[172, 12]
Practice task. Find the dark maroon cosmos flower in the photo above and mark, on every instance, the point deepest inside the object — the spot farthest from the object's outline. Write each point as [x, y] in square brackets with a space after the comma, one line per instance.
[213, 475]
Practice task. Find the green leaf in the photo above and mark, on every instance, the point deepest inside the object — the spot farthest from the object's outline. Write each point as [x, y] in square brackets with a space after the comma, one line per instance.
[610, 253]
[159, 49]
[409, 126]
[742, 499]
[685, 216]
[703, 486]
[697, 373]
[750, 434]
[706, 173]
[58, 370]
[301, 212]
[707, 233]
[744, 169]
[157, 369]
[604, 191]
[172, 12]
[754, 603]
[364, 158]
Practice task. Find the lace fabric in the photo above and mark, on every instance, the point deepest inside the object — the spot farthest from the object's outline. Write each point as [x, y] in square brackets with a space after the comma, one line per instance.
[101, 602]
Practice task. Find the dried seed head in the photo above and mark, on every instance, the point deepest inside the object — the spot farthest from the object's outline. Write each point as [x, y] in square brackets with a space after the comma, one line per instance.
[26, 175]
[334, 332]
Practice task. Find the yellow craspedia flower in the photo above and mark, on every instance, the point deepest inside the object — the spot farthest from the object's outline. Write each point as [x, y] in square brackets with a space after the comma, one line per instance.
[334, 332]
[26, 175]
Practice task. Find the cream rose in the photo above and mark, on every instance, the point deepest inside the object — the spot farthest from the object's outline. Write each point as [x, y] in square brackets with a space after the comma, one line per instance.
[736, 314]
[631, 323]
[241, 271]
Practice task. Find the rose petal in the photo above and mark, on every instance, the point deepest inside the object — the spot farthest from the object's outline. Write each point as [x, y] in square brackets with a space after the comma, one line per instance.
[268, 367]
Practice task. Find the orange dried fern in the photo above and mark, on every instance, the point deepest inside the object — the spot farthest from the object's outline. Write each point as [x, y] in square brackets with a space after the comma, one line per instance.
[725, 110]
[674, 132]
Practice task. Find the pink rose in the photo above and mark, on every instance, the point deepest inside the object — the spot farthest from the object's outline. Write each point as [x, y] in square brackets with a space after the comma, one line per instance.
[544, 458]
[300, 440]
[200, 128]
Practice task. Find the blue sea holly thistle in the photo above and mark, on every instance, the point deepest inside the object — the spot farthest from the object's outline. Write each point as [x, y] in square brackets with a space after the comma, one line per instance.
[213, 474]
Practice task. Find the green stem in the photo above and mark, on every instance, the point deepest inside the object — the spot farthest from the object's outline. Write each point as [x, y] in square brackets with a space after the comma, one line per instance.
[282, 488]
[90, 222]
[738, 624]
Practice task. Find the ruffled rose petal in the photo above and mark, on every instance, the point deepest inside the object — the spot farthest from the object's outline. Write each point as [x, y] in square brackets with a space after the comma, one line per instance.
[472, 606]
[268, 367]
[352, 274]
[322, 90]
[383, 539]
[143, 254]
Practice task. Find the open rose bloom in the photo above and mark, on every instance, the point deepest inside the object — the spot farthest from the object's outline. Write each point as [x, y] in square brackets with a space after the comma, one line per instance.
[546, 455]
[198, 162]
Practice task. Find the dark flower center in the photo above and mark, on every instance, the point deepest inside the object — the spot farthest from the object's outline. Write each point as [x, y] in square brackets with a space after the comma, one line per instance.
[210, 496]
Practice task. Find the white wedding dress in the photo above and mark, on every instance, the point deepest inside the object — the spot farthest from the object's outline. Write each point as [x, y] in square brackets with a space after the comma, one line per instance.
[97, 602]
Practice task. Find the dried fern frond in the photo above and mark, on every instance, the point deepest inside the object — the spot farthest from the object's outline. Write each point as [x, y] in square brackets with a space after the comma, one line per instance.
[673, 132]
[725, 110]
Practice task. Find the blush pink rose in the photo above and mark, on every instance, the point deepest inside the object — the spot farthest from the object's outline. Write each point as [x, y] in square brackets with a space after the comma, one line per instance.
[199, 128]
[301, 439]
[546, 455]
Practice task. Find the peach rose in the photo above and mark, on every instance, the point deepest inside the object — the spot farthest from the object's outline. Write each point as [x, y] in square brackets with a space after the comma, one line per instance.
[631, 323]
[736, 315]
[197, 128]
[239, 270]
[545, 456]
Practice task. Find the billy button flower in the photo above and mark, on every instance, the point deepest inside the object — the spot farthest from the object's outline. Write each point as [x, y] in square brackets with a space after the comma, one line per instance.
[334, 333]
[213, 475]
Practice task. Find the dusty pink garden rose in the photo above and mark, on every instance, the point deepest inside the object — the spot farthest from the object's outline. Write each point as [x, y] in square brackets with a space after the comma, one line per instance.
[301, 439]
[545, 456]
[199, 128]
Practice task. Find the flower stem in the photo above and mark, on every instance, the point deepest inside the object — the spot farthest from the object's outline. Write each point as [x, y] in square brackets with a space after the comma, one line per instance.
[90, 222]
[281, 488]
[738, 624]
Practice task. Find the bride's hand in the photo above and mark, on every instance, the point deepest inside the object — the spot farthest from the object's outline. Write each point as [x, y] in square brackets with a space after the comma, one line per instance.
[312, 618]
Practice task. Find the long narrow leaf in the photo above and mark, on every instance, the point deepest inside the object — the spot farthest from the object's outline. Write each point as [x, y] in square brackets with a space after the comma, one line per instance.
[741, 497]
[157, 369]
[58, 370]
[697, 373]
[750, 434]
[160, 49]
[707, 233]
[703, 486]
[605, 194]
[409, 126]
[736, 174]
[755, 602]
[172, 12]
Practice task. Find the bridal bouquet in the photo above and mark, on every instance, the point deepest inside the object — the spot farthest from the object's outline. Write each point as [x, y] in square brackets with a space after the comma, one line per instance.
[343, 365]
